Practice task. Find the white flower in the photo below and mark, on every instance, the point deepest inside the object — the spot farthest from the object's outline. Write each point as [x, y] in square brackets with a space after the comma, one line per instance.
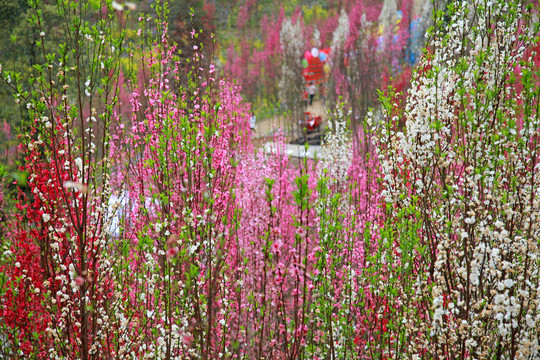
[76, 185]
[336, 150]
[508, 283]
[42, 34]
[78, 162]
[116, 6]
[46, 217]
[529, 320]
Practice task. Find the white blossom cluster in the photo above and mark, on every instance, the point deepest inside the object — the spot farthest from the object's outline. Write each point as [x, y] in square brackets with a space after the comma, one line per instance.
[291, 83]
[156, 333]
[336, 150]
[341, 33]
[388, 13]
[468, 158]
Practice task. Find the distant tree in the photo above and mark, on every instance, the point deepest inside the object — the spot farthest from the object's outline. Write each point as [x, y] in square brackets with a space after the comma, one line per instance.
[337, 76]
[365, 55]
[291, 84]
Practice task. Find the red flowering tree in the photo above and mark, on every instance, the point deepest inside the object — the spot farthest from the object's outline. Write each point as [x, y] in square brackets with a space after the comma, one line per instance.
[56, 286]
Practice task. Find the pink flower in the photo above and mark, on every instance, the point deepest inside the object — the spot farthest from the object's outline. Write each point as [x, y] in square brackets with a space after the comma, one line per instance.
[79, 280]
[171, 252]
[187, 339]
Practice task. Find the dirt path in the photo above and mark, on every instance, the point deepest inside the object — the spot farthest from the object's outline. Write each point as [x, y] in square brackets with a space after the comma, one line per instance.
[267, 127]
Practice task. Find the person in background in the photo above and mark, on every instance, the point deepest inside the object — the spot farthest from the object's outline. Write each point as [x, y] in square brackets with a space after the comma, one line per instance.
[312, 89]
[252, 121]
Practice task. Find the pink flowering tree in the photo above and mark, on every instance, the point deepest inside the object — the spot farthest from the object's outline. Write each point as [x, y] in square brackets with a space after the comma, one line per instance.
[277, 240]
[178, 213]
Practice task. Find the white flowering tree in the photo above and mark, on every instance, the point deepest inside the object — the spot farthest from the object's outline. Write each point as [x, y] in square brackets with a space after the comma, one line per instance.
[291, 84]
[336, 150]
[339, 36]
[466, 169]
